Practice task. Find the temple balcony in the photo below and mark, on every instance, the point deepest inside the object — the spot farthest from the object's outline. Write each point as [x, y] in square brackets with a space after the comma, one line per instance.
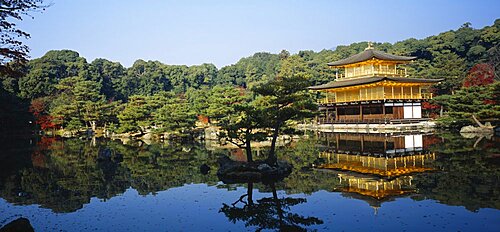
[365, 73]
[397, 96]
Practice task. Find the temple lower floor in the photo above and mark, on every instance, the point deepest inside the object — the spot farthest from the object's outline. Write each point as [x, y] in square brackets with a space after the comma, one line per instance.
[382, 112]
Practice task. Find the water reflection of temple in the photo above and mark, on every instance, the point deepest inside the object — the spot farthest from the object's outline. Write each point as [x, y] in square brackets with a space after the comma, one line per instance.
[375, 167]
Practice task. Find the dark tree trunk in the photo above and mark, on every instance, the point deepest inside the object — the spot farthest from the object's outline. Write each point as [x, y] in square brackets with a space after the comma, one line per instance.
[278, 205]
[250, 193]
[248, 150]
[272, 159]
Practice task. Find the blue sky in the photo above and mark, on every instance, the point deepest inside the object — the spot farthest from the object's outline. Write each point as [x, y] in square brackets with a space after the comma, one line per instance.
[223, 31]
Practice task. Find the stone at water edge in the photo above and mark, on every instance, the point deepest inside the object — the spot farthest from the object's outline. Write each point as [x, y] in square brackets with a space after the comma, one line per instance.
[477, 130]
[20, 224]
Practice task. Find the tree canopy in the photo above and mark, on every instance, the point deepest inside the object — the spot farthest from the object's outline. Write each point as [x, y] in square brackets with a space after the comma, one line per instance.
[464, 57]
[11, 45]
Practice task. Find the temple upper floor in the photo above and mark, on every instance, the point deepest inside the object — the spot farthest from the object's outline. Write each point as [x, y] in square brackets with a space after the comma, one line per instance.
[369, 69]
[370, 63]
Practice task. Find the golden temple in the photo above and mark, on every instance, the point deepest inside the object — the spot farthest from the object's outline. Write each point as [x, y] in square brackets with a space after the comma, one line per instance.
[373, 88]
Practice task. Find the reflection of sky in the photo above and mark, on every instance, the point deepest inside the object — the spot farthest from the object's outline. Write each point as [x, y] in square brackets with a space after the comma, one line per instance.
[196, 208]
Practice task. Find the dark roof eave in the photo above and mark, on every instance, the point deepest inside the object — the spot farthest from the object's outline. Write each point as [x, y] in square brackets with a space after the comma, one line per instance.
[370, 54]
[369, 80]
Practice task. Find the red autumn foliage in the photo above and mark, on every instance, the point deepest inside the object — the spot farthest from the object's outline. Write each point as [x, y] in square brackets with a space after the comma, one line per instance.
[203, 119]
[429, 106]
[480, 75]
[489, 102]
[38, 109]
[431, 110]
[46, 122]
[37, 106]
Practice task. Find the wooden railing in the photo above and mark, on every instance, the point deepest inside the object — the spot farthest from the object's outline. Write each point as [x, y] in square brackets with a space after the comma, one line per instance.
[388, 72]
[420, 96]
[323, 120]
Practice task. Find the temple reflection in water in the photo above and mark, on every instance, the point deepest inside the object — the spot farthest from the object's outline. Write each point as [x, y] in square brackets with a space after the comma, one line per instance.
[375, 167]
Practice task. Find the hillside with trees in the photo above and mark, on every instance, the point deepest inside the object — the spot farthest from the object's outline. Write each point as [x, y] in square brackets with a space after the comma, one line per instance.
[62, 90]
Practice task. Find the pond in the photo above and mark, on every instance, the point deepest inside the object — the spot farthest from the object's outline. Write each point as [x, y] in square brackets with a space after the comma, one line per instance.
[340, 182]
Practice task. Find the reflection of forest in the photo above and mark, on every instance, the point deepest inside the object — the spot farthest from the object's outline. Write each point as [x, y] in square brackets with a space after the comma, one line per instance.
[64, 175]
[469, 173]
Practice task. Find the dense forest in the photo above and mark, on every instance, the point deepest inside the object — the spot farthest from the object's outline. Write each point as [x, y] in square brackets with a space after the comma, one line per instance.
[62, 90]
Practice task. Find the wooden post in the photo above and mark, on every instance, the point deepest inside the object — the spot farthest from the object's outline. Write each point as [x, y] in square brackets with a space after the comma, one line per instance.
[383, 111]
[360, 112]
[336, 114]
[362, 144]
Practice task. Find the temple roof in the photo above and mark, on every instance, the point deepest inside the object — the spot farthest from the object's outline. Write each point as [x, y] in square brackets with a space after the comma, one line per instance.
[368, 54]
[369, 80]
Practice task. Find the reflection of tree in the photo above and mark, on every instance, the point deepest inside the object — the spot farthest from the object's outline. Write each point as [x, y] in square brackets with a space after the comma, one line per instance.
[269, 212]
[469, 176]
[158, 167]
[68, 177]
[302, 154]
[63, 175]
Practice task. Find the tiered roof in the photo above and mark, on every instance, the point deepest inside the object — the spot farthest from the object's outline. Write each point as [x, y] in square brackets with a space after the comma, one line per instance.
[369, 80]
[369, 54]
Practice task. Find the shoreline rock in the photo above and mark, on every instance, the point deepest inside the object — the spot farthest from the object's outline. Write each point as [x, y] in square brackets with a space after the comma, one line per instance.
[474, 131]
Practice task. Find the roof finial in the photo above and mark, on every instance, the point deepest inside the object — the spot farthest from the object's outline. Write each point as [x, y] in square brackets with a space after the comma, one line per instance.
[370, 46]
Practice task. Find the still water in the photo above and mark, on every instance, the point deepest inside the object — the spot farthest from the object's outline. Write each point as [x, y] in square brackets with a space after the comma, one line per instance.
[340, 182]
